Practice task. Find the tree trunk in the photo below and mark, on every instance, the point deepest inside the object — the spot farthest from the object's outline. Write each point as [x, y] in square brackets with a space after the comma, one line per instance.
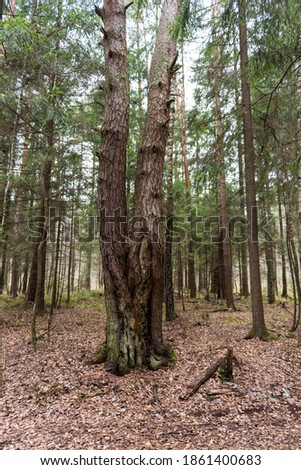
[39, 302]
[219, 135]
[299, 155]
[7, 191]
[269, 257]
[169, 290]
[293, 263]
[25, 273]
[258, 322]
[191, 282]
[70, 256]
[12, 7]
[55, 280]
[1, 9]
[15, 269]
[282, 247]
[133, 272]
[244, 285]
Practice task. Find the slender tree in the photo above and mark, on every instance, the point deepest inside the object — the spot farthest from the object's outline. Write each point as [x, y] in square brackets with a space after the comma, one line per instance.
[15, 269]
[181, 107]
[169, 290]
[258, 322]
[219, 135]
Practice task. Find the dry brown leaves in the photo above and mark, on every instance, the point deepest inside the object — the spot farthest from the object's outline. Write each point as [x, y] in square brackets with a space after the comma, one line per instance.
[54, 400]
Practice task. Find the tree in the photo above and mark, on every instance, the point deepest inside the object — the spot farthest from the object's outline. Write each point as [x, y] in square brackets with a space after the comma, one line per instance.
[258, 322]
[181, 106]
[133, 270]
[168, 278]
[219, 133]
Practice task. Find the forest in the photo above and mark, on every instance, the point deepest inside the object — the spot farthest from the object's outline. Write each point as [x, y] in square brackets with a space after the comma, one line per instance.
[150, 210]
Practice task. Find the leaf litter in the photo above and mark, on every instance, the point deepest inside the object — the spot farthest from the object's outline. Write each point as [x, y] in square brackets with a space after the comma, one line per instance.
[55, 398]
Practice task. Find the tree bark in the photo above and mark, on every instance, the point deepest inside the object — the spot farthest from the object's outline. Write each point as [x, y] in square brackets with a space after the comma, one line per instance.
[258, 321]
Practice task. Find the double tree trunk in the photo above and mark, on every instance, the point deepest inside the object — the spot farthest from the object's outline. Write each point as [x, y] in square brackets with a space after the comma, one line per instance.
[258, 322]
[133, 256]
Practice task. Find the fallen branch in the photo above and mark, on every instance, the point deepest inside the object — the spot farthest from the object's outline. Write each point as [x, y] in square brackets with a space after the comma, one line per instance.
[209, 373]
[226, 372]
[224, 309]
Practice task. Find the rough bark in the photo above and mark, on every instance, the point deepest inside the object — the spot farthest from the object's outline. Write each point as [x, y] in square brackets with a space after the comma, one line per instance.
[258, 322]
[133, 271]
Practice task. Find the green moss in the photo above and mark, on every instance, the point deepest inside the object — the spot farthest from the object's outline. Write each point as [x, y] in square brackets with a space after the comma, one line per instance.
[93, 299]
[224, 374]
[263, 335]
[122, 366]
[154, 363]
[234, 320]
[100, 355]
[8, 302]
[172, 360]
[290, 335]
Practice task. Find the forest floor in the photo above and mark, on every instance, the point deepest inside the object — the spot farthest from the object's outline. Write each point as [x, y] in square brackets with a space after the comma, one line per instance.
[55, 399]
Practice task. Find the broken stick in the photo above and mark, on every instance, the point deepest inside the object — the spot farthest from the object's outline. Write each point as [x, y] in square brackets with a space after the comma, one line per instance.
[225, 362]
